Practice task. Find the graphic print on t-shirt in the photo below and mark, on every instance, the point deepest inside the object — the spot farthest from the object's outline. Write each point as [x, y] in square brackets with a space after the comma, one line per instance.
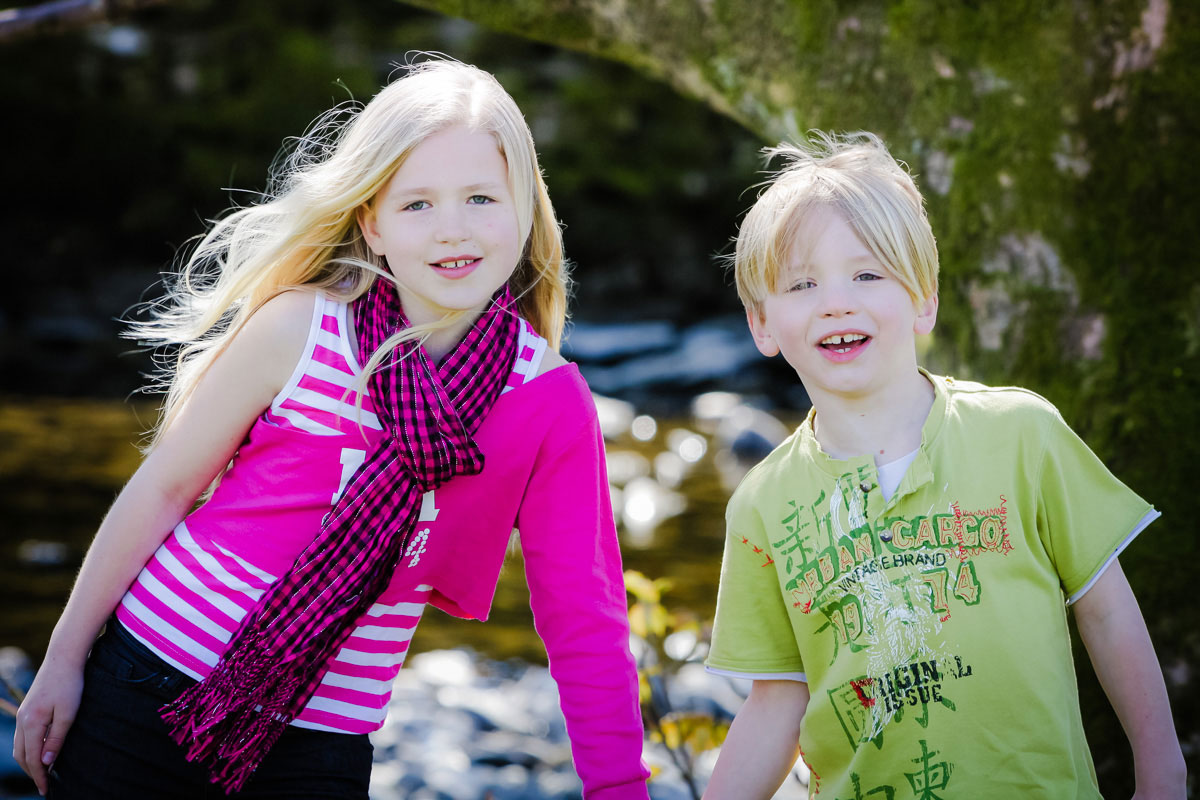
[885, 588]
[429, 513]
[351, 460]
[929, 778]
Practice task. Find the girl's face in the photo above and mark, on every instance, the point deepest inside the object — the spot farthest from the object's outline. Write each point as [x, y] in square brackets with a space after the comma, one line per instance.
[447, 224]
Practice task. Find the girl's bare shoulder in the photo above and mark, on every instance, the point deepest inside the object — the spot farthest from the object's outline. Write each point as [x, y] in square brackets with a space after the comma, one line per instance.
[276, 333]
[287, 311]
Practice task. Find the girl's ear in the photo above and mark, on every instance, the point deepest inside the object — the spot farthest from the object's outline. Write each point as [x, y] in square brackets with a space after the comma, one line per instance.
[369, 227]
[764, 340]
[926, 316]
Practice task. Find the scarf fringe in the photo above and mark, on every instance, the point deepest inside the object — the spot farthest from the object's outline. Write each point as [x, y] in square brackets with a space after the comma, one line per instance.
[230, 722]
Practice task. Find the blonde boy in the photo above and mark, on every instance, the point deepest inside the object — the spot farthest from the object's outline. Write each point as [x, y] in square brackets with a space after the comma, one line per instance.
[897, 573]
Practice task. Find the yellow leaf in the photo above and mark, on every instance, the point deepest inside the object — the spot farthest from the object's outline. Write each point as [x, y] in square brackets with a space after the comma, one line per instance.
[638, 619]
[641, 587]
[648, 619]
[707, 734]
[697, 730]
[657, 621]
[671, 734]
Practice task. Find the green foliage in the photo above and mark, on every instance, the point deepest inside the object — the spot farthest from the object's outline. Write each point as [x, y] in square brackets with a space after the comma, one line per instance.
[684, 734]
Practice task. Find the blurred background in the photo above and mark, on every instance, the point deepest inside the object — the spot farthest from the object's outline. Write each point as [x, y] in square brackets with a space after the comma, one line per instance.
[1055, 143]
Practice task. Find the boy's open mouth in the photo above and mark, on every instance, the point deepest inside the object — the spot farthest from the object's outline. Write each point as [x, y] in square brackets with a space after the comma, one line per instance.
[844, 342]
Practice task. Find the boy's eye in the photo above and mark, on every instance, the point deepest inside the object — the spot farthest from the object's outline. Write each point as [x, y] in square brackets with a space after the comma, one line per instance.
[479, 199]
[417, 205]
[868, 276]
[801, 285]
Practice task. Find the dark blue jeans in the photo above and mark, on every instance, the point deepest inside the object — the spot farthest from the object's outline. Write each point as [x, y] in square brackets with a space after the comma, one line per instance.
[118, 746]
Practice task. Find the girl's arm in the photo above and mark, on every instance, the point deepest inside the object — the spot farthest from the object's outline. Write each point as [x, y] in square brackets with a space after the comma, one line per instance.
[200, 442]
[1114, 632]
[763, 742]
[577, 591]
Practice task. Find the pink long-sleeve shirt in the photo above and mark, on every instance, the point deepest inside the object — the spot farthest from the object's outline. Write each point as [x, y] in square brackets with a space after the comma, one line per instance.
[544, 475]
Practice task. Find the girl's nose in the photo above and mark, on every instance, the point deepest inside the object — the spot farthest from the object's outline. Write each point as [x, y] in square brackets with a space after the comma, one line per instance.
[451, 225]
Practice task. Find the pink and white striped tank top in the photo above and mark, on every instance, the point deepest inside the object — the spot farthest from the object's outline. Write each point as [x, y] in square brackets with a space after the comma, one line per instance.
[190, 598]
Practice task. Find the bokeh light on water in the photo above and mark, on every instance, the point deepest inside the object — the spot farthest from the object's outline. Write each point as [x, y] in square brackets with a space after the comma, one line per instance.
[63, 461]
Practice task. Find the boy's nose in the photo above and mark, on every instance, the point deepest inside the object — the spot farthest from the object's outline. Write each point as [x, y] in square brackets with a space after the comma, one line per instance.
[836, 301]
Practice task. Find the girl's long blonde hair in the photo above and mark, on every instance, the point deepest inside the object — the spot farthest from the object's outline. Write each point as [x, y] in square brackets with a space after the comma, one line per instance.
[305, 233]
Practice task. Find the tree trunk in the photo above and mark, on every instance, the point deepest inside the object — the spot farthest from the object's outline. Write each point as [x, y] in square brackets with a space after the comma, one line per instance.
[1053, 143]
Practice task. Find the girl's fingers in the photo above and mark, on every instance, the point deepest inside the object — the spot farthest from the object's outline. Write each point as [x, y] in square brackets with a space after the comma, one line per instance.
[19, 746]
[29, 738]
[54, 738]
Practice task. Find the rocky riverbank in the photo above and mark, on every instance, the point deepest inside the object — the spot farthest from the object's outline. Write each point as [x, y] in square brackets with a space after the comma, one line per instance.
[461, 727]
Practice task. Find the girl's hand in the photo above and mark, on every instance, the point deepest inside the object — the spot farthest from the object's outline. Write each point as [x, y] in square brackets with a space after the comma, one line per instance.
[44, 718]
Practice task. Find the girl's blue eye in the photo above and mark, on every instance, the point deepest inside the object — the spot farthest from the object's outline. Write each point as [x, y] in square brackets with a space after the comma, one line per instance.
[868, 276]
[417, 205]
[479, 199]
[801, 285]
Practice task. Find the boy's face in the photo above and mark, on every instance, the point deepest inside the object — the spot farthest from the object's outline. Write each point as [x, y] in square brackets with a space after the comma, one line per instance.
[843, 321]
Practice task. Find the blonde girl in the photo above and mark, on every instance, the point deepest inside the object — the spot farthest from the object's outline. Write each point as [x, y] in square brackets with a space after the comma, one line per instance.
[368, 362]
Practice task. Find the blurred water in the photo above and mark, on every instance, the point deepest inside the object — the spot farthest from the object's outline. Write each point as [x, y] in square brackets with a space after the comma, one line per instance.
[63, 461]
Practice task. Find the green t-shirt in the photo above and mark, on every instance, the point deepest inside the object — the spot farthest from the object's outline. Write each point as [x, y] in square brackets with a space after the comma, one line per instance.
[931, 628]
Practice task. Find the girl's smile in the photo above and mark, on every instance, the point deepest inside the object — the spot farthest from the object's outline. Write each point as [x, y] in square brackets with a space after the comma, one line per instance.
[456, 267]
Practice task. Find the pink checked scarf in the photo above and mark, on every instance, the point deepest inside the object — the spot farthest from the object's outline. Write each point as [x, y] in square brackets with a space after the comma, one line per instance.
[230, 720]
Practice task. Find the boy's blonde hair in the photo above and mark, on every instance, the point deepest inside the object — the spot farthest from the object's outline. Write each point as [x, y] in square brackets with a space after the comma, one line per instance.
[305, 233]
[855, 175]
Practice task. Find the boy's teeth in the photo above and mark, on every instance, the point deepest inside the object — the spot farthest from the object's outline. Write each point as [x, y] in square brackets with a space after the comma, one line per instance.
[849, 338]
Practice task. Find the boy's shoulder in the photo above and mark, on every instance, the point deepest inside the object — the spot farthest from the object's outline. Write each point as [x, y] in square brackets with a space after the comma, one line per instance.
[978, 402]
[1003, 421]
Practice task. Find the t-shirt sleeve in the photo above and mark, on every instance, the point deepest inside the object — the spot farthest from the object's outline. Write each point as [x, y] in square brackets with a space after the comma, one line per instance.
[1085, 515]
[752, 635]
